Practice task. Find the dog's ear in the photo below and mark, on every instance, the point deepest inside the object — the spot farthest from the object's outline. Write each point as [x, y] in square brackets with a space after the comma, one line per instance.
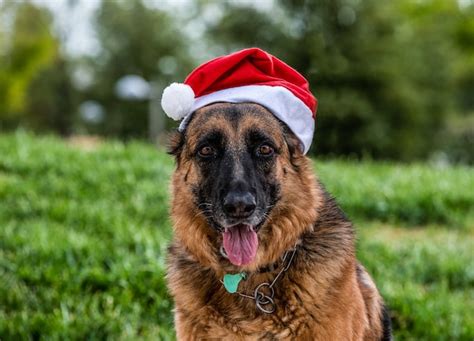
[295, 147]
[175, 143]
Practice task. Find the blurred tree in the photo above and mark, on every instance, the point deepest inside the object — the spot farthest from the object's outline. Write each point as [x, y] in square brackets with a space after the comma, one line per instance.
[52, 99]
[27, 47]
[137, 40]
[384, 83]
[461, 129]
[393, 79]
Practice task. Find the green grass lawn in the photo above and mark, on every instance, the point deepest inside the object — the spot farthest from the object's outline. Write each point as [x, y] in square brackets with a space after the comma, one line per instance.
[83, 237]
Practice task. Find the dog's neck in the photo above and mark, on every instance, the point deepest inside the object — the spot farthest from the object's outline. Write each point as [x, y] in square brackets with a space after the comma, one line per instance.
[264, 292]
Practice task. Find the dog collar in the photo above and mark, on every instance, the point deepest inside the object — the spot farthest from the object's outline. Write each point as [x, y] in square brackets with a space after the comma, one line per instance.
[264, 292]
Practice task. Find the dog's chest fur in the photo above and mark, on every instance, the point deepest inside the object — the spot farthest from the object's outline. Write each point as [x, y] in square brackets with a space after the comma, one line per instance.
[305, 309]
[319, 298]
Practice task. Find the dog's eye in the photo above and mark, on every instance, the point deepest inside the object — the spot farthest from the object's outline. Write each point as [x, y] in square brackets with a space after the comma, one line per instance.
[265, 150]
[206, 151]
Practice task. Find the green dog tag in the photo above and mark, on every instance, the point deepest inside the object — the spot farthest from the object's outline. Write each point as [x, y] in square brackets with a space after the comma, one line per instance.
[231, 281]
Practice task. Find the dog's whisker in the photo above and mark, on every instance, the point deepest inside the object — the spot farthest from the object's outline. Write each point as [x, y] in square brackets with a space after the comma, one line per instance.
[200, 213]
[205, 204]
[205, 213]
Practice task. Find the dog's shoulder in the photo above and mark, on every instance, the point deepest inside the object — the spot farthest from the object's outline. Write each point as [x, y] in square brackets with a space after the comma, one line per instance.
[332, 235]
[332, 241]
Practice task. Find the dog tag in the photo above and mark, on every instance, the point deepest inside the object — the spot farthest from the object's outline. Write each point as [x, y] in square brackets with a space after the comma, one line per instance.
[231, 281]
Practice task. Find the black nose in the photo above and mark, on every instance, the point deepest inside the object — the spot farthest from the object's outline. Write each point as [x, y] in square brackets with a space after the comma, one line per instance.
[239, 205]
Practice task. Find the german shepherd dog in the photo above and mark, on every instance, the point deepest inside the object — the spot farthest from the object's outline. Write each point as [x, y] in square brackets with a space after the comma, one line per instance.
[260, 250]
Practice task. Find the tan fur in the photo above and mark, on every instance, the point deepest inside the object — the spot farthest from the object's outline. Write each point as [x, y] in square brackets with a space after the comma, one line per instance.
[323, 296]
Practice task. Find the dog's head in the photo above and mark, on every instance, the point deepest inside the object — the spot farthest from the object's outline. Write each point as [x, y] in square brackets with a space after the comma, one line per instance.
[241, 182]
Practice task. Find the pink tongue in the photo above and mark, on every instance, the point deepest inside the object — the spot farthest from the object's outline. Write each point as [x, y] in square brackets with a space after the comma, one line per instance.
[240, 244]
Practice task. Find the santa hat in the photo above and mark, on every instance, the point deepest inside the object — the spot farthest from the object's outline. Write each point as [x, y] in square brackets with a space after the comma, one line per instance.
[250, 75]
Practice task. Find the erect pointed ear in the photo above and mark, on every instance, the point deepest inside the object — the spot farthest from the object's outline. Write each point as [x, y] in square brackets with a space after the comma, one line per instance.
[175, 143]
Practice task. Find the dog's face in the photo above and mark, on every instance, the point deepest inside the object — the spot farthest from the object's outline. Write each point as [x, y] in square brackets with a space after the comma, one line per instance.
[235, 163]
[235, 151]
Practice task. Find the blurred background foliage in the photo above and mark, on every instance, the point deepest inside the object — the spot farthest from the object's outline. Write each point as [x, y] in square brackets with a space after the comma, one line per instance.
[394, 79]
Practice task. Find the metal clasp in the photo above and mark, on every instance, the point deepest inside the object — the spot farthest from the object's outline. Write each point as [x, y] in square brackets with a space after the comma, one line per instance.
[263, 301]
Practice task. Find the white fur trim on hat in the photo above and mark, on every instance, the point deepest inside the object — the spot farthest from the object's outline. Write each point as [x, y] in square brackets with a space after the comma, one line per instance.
[279, 100]
[177, 100]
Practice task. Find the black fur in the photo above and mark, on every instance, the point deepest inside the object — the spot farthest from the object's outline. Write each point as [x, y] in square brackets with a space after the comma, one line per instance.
[220, 177]
[387, 325]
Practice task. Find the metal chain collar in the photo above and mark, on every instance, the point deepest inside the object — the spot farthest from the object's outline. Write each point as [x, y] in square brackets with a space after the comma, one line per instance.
[264, 301]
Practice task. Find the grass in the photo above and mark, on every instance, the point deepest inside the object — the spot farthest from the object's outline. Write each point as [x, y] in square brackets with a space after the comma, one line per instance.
[409, 194]
[83, 237]
[426, 275]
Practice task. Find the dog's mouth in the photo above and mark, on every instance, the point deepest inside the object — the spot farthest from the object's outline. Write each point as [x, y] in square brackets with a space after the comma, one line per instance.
[240, 243]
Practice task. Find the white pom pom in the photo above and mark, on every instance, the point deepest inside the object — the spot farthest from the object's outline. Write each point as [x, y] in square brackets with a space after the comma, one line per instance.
[177, 100]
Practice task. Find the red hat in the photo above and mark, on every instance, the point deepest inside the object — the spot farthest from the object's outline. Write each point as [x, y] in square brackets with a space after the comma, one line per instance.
[250, 75]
